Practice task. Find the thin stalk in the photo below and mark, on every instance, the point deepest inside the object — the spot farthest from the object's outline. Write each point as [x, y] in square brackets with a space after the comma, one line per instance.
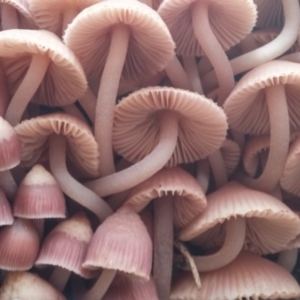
[203, 174]
[107, 97]
[9, 17]
[70, 186]
[145, 168]
[218, 168]
[8, 184]
[191, 69]
[59, 278]
[28, 87]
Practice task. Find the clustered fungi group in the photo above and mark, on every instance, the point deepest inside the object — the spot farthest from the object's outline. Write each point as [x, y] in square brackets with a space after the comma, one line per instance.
[166, 134]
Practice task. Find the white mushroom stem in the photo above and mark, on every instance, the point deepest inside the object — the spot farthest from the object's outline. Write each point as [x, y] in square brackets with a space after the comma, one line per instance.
[163, 245]
[288, 259]
[70, 186]
[177, 74]
[218, 168]
[101, 286]
[191, 69]
[59, 278]
[28, 87]
[233, 244]
[9, 17]
[283, 42]
[145, 168]
[107, 95]
[212, 49]
[279, 141]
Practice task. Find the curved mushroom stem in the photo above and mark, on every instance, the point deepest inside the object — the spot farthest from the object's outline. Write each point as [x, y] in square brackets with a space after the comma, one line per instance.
[163, 245]
[59, 278]
[177, 74]
[212, 49]
[288, 259]
[275, 48]
[191, 68]
[107, 95]
[279, 141]
[28, 87]
[101, 286]
[70, 186]
[218, 168]
[39, 226]
[9, 17]
[145, 168]
[88, 102]
[233, 244]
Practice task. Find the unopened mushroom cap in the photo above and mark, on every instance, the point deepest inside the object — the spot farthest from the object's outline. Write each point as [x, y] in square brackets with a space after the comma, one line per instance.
[39, 196]
[247, 277]
[189, 197]
[64, 81]
[246, 107]
[201, 131]
[230, 22]
[121, 243]
[150, 46]
[25, 285]
[66, 245]
[270, 223]
[82, 147]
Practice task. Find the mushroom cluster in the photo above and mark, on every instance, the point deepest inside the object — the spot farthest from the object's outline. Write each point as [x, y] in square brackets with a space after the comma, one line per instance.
[149, 149]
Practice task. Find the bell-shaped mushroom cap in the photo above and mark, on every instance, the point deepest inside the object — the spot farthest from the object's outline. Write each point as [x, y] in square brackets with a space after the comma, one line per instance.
[25, 17]
[201, 130]
[49, 14]
[6, 217]
[19, 246]
[189, 197]
[289, 180]
[64, 81]
[247, 277]
[150, 46]
[66, 245]
[25, 285]
[230, 22]
[10, 146]
[82, 147]
[39, 196]
[121, 243]
[126, 288]
[246, 107]
[270, 224]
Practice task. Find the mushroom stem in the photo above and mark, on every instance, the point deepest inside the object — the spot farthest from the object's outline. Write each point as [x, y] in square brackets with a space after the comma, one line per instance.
[101, 286]
[203, 174]
[4, 92]
[107, 97]
[283, 42]
[70, 186]
[72, 110]
[39, 226]
[145, 168]
[288, 259]
[177, 74]
[8, 184]
[191, 69]
[59, 278]
[28, 87]
[279, 141]
[163, 245]
[88, 103]
[233, 244]
[212, 49]
[218, 168]
[9, 17]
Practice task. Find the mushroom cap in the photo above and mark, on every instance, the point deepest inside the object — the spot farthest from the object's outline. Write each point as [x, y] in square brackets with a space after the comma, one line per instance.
[271, 225]
[64, 81]
[230, 22]
[189, 197]
[150, 46]
[25, 18]
[66, 245]
[247, 277]
[39, 196]
[48, 14]
[201, 130]
[25, 285]
[121, 243]
[246, 107]
[81, 145]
